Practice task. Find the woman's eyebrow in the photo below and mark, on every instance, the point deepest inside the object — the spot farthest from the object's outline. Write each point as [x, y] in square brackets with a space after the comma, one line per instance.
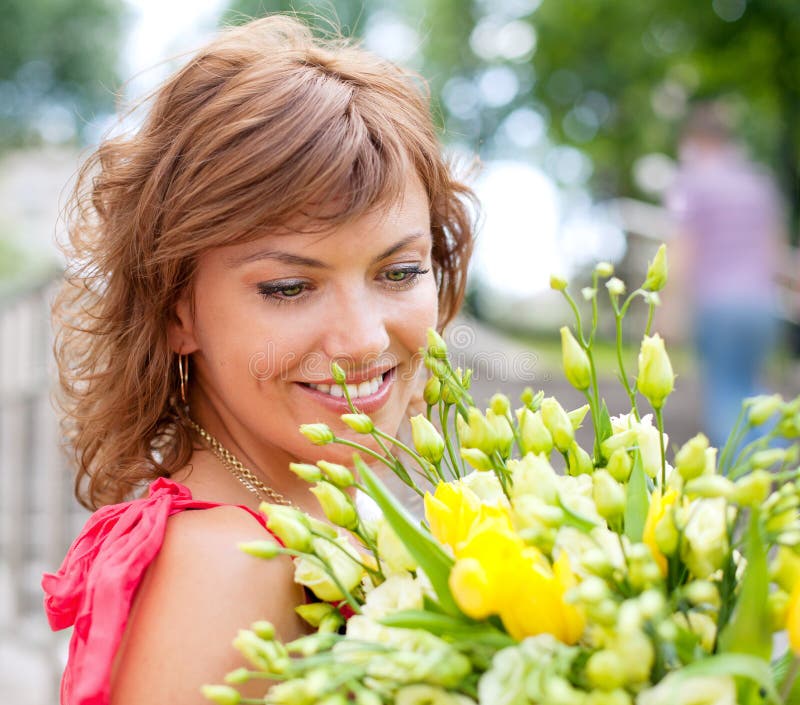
[301, 260]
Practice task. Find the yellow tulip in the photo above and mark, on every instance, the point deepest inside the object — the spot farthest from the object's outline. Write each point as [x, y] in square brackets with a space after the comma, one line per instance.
[655, 513]
[496, 573]
[793, 619]
[454, 509]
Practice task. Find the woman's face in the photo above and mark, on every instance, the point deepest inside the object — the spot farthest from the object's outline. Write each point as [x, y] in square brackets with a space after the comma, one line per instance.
[270, 316]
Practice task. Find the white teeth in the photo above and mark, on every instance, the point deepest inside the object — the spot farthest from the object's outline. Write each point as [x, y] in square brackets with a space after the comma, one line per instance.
[355, 391]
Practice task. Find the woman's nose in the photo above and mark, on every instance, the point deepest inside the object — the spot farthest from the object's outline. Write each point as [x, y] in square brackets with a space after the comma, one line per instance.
[357, 333]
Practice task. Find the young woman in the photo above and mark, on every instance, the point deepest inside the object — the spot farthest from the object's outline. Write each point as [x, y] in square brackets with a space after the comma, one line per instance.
[284, 205]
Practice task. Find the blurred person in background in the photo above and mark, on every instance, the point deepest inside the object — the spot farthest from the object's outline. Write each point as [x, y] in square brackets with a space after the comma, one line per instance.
[729, 243]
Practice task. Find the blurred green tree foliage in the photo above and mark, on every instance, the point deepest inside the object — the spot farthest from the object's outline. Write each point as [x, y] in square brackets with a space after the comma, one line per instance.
[613, 78]
[58, 63]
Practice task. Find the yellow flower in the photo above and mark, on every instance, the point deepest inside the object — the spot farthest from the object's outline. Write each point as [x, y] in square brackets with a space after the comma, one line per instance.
[496, 573]
[655, 513]
[454, 509]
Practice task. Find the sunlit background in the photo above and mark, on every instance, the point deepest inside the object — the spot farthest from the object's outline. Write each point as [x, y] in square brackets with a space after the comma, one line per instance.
[573, 109]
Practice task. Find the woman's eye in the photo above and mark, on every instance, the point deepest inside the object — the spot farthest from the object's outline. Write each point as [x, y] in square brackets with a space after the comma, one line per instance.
[281, 292]
[406, 276]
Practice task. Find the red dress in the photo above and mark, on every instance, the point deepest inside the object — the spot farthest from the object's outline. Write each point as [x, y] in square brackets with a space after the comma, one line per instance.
[95, 586]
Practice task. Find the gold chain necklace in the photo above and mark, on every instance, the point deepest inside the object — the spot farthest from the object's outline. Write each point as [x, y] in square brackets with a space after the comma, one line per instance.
[240, 472]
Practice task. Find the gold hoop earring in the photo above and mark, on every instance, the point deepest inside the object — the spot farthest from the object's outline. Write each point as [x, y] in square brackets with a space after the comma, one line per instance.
[183, 374]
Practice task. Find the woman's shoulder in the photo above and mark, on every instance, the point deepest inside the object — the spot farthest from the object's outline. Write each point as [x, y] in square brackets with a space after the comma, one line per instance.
[198, 592]
[151, 550]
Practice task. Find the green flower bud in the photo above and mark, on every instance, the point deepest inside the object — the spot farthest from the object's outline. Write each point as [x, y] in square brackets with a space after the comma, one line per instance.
[766, 458]
[339, 475]
[588, 293]
[527, 396]
[305, 471]
[657, 271]
[533, 434]
[436, 346]
[690, 460]
[502, 431]
[320, 528]
[338, 507]
[666, 534]
[615, 286]
[709, 486]
[330, 623]
[466, 378]
[432, 392]
[439, 368]
[604, 670]
[237, 677]
[260, 549]
[763, 407]
[221, 694]
[499, 404]
[338, 373]
[604, 269]
[656, 379]
[360, 423]
[318, 433]
[579, 462]
[368, 697]
[576, 416]
[314, 612]
[427, 440]
[263, 629]
[620, 465]
[608, 495]
[575, 360]
[753, 489]
[558, 283]
[558, 423]
[288, 524]
[702, 592]
[476, 432]
[476, 458]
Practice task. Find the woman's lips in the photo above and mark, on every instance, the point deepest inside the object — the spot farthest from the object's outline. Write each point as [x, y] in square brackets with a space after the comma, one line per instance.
[367, 404]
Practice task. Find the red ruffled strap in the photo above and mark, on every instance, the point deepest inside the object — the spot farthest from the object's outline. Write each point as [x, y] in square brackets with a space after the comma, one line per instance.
[94, 588]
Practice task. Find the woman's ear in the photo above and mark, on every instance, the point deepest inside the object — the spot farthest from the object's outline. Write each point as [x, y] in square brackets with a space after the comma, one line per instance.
[181, 329]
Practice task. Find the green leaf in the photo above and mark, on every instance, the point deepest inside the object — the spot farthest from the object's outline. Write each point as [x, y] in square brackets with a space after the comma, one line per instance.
[780, 671]
[449, 628]
[748, 631]
[604, 429]
[736, 665]
[420, 544]
[638, 501]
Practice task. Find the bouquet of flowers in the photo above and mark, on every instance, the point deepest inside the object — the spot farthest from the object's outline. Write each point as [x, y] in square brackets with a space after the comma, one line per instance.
[545, 572]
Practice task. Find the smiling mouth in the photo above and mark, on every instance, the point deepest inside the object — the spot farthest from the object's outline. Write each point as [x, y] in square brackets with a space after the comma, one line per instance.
[356, 391]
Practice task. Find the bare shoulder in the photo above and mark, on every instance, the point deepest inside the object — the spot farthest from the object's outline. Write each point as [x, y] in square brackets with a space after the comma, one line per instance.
[195, 596]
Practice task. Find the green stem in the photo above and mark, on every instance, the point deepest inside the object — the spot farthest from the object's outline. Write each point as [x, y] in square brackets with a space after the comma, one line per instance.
[660, 424]
[623, 374]
[649, 319]
[758, 444]
[378, 456]
[595, 277]
[730, 446]
[327, 568]
[443, 412]
[333, 542]
[422, 462]
[576, 311]
[788, 681]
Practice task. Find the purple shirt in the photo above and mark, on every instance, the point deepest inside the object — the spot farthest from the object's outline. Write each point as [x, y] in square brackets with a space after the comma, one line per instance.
[731, 211]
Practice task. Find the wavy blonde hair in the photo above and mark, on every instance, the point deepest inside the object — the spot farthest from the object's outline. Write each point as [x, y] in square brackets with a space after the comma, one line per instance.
[258, 127]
